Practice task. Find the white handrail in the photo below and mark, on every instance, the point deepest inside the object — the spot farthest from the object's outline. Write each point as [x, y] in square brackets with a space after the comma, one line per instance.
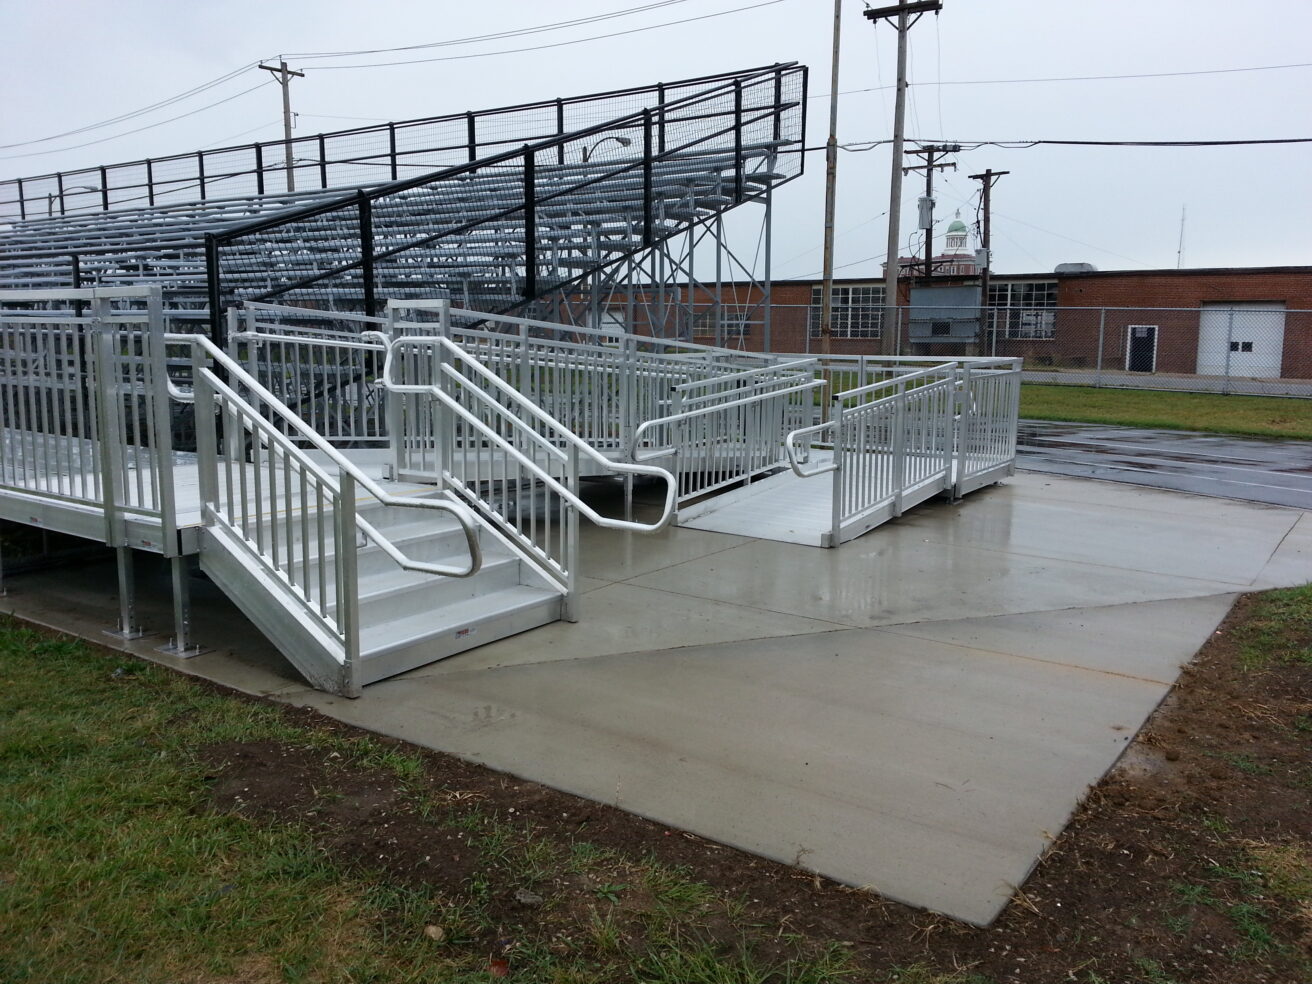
[301, 340]
[795, 463]
[712, 408]
[463, 516]
[896, 381]
[561, 431]
[735, 376]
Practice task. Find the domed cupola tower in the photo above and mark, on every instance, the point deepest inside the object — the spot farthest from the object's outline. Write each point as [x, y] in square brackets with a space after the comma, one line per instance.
[955, 240]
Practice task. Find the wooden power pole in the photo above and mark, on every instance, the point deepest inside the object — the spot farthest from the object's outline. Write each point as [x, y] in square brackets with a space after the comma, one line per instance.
[831, 191]
[284, 76]
[903, 12]
[933, 154]
[987, 181]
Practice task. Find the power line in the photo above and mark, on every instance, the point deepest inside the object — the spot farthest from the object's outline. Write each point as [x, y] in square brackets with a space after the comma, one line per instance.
[223, 141]
[358, 119]
[1023, 144]
[862, 146]
[1059, 235]
[205, 86]
[519, 32]
[1079, 78]
[136, 112]
[545, 47]
[140, 129]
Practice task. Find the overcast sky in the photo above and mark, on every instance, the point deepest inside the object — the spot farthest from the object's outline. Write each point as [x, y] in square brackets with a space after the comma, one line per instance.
[70, 63]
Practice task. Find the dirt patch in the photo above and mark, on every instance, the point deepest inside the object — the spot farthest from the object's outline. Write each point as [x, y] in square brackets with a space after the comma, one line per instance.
[1170, 872]
[360, 816]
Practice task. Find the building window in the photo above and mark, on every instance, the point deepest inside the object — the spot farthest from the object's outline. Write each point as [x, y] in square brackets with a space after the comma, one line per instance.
[1024, 310]
[733, 324]
[857, 311]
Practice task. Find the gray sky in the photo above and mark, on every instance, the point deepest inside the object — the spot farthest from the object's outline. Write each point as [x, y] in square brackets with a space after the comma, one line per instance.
[70, 63]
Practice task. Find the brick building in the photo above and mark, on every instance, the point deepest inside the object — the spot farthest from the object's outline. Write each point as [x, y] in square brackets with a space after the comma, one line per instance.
[1254, 321]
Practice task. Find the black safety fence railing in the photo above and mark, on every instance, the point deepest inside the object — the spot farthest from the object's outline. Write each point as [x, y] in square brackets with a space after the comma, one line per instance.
[494, 233]
[362, 156]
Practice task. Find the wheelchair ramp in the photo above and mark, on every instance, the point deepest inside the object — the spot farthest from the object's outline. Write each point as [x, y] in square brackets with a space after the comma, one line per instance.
[780, 507]
[791, 509]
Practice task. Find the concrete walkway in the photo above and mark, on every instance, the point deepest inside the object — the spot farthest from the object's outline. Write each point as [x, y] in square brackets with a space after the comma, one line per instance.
[917, 712]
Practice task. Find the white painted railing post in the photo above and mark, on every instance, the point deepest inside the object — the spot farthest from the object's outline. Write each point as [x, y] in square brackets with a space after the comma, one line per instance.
[628, 415]
[109, 410]
[526, 380]
[395, 413]
[444, 422]
[966, 403]
[899, 446]
[628, 395]
[252, 341]
[113, 441]
[569, 604]
[962, 436]
[837, 423]
[159, 406]
[348, 589]
[207, 445]
[678, 440]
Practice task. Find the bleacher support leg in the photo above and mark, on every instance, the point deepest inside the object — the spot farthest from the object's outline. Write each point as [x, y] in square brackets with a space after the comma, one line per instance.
[127, 597]
[181, 644]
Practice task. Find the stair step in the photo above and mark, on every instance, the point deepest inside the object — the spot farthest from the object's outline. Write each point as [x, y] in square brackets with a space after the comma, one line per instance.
[463, 625]
[397, 594]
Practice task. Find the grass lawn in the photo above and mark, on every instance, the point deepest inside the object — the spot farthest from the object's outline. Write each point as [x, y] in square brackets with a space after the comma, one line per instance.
[117, 864]
[157, 829]
[1262, 416]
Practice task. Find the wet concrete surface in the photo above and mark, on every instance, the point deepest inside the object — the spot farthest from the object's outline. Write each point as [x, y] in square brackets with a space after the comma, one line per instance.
[1278, 472]
[917, 711]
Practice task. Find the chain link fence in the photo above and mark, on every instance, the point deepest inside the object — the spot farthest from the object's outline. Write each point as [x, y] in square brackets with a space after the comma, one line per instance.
[1258, 349]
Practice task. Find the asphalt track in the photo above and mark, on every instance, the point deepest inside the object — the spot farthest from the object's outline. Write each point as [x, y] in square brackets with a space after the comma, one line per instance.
[1257, 470]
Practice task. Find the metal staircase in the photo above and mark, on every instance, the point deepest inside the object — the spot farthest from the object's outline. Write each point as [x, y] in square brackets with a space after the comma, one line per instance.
[403, 619]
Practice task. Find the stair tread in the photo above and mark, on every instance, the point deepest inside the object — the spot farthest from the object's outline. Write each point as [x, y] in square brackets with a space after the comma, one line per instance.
[379, 639]
[399, 579]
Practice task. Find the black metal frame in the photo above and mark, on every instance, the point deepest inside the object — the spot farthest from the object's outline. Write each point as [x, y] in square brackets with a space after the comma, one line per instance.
[18, 205]
[654, 136]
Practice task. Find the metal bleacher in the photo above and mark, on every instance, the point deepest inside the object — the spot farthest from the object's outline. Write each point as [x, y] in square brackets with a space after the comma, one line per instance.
[526, 213]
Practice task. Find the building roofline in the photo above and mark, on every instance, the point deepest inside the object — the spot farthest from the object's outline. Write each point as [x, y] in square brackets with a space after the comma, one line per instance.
[1082, 275]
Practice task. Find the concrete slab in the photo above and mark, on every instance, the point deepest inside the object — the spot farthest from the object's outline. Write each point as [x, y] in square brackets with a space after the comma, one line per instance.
[623, 618]
[898, 574]
[1148, 641]
[1291, 560]
[917, 711]
[934, 773]
[1232, 546]
[608, 555]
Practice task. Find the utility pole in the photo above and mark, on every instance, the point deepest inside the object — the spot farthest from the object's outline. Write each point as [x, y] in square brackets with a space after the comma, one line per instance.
[1179, 251]
[831, 194]
[987, 180]
[931, 152]
[284, 77]
[903, 11]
